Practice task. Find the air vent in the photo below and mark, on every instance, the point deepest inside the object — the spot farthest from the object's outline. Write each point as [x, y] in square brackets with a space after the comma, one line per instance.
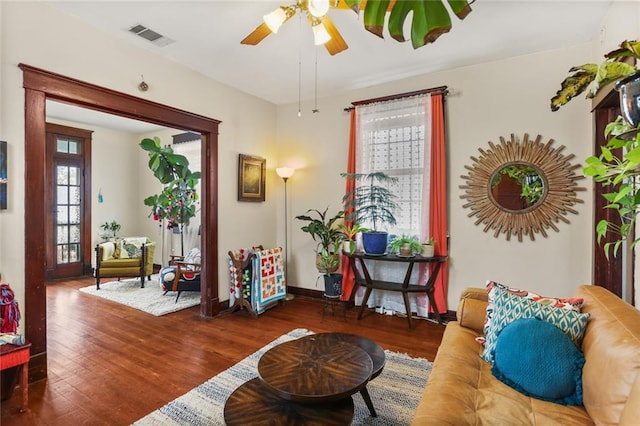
[150, 35]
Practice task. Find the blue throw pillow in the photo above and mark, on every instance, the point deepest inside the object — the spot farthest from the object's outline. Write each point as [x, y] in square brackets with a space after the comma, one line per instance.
[537, 359]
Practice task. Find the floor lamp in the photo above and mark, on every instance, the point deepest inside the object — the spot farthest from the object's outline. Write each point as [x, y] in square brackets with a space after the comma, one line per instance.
[285, 173]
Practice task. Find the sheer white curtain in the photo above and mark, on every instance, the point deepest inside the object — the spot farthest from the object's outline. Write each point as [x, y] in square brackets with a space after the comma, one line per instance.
[395, 137]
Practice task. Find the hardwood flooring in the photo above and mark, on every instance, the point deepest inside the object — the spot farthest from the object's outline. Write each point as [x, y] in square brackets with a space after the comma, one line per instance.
[109, 364]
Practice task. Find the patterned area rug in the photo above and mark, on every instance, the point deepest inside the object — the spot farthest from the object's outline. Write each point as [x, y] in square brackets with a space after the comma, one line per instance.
[395, 393]
[149, 299]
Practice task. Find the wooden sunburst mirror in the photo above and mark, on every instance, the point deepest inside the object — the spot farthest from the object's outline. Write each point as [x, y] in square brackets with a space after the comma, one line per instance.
[521, 188]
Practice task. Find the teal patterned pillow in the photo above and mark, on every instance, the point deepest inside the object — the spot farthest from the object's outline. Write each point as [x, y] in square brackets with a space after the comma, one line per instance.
[508, 308]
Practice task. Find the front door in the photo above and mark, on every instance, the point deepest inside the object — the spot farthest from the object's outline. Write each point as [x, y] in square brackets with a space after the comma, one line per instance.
[68, 216]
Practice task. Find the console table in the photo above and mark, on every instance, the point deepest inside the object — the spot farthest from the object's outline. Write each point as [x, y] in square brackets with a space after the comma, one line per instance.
[364, 278]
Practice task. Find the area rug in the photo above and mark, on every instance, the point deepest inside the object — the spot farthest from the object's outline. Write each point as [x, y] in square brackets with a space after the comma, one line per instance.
[395, 393]
[149, 299]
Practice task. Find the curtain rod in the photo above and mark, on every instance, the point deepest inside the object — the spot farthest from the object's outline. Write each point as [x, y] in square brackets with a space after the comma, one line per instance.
[440, 89]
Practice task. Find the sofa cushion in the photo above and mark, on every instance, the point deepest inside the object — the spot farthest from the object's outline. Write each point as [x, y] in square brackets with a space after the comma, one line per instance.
[536, 358]
[508, 308]
[574, 303]
[131, 247]
[462, 391]
[108, 250]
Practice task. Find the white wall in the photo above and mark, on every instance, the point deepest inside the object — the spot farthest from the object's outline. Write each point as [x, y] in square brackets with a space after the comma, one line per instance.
[487, 101]
[248, 123]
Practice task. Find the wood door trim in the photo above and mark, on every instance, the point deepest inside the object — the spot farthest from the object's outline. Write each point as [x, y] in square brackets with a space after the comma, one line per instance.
[41, 85]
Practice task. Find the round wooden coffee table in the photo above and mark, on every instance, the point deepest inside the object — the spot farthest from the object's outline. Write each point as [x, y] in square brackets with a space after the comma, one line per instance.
[255, 404]
[308, 381]
[315, 370]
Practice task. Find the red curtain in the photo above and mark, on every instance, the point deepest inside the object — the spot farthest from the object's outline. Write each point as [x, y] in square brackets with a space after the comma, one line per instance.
[347, 273]
[438, 201]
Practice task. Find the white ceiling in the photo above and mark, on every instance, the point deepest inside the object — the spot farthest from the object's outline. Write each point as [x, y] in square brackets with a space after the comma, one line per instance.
[207, 38]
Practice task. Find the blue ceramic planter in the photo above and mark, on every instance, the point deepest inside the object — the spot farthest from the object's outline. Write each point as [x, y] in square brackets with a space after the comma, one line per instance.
[375, 242]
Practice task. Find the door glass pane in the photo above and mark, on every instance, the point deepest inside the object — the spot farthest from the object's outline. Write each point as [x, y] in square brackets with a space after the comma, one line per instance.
[74, 214]
[63, 234]
[74, 252]
[63, 215]
[62, 145]
[74, 176]
[63, 254]
[63, 195]
[74, 195]
[63, 175]
[74, 147]
[74, 234]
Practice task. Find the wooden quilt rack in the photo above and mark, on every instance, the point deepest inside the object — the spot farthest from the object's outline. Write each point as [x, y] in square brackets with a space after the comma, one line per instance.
[240, 265]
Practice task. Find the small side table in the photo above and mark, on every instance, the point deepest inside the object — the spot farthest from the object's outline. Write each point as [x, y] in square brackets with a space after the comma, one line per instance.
[18, 356]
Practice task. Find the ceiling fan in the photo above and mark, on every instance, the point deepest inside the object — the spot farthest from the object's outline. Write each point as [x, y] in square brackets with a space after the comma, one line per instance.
[324, 31]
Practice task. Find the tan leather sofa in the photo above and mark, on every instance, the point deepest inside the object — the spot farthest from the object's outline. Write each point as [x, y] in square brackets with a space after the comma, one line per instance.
[462, 391]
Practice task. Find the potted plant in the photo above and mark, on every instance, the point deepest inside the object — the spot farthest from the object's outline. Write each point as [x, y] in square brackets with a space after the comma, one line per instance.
[406, 245]
[324, 230]
[178, 200]
[327, 263]
[109, 230]
[350, 232]
[617, 171]
[428, 248]
[373, 203]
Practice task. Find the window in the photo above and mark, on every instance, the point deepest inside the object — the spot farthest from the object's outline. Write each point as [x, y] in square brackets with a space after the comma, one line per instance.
[391, 139]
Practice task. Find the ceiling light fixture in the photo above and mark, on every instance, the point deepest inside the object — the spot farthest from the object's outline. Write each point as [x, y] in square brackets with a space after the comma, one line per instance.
[275, 19]
[318, 8]
[320, 33]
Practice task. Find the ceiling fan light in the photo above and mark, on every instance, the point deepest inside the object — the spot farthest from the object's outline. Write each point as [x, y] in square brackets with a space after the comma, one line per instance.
[320, 34]
[275, 19]
[318, 8]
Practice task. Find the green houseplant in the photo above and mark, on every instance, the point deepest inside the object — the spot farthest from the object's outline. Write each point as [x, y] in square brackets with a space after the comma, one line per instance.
[372, 203]
[109, 229]
[430, 18]
[406, 245]
[618, 172]
[324, 230]
[178, 200]
[349, 233]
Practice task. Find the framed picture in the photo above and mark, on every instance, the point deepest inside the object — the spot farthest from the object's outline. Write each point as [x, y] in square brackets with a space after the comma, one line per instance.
[3, 175]
[251, 178]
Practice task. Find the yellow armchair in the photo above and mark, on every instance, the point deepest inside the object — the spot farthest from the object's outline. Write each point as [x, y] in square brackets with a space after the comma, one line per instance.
[128, 257]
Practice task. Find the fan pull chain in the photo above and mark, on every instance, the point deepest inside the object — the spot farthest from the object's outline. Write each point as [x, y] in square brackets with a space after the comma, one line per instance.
[315, 109]
[300, 68]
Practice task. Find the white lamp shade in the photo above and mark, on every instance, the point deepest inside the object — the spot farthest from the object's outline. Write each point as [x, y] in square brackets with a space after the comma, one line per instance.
[285, 172]
[318, 8]
[275, 19]
[320, 34]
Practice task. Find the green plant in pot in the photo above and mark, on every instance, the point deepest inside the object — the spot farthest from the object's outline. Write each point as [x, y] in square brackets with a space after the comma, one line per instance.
[350, 233]
[178, 200]
[618, 164]
[372, 203]
[324, 230]
[109, 230]
[428, 247]
[406, 245]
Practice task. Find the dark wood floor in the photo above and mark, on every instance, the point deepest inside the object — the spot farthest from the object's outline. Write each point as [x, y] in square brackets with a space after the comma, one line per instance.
[110, 364]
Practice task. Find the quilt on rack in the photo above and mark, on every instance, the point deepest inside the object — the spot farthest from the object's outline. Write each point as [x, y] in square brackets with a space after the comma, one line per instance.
[263, 281]
[269, 284]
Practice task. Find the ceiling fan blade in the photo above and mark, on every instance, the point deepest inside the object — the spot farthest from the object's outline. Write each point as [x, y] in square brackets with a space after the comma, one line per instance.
[337, 43]
[257, 35]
